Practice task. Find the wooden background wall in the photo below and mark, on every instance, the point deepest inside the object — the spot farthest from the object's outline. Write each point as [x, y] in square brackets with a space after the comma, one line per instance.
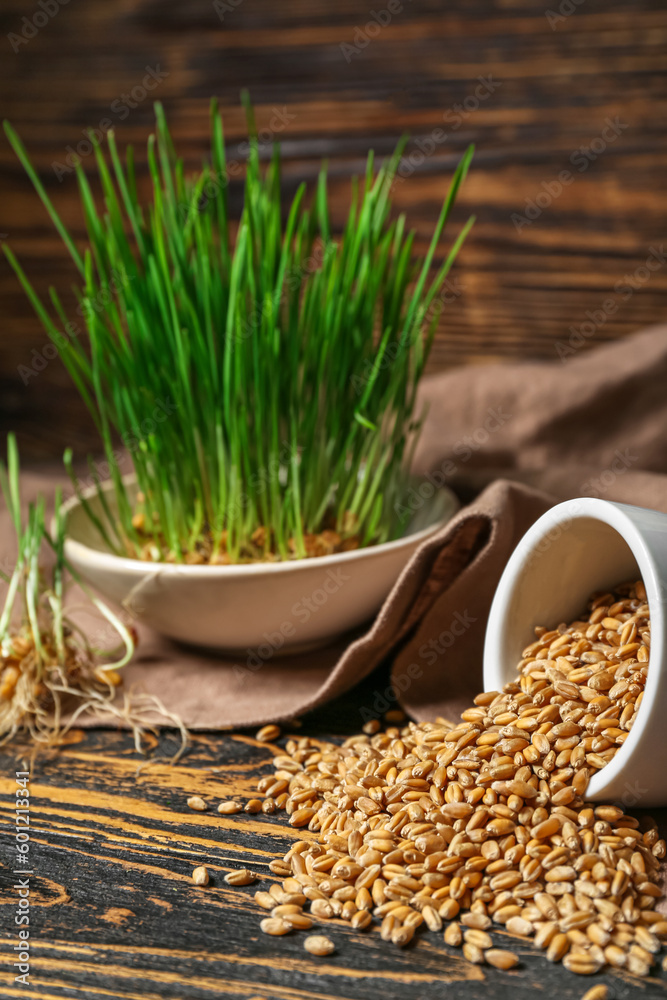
[557, 75]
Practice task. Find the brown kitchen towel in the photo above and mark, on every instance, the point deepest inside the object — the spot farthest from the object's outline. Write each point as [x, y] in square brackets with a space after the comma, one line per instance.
[512, 438]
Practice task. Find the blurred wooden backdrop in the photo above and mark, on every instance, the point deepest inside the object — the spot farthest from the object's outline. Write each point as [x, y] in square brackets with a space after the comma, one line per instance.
[531, 84]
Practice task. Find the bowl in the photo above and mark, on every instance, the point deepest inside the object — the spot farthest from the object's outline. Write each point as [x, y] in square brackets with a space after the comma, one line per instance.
[578, 547]
[261, 609]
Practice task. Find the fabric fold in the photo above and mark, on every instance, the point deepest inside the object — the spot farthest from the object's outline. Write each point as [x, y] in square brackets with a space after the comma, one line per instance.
[511, 439]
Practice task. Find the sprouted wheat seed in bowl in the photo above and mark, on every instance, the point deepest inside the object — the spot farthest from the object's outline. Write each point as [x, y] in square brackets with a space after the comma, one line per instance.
[322, 337]
[485, 822]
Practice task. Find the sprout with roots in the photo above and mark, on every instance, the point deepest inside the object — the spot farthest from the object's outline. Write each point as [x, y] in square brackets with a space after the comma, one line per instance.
[49, 673]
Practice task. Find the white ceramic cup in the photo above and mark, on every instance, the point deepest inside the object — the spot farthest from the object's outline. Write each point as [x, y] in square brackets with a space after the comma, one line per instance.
[578, 547]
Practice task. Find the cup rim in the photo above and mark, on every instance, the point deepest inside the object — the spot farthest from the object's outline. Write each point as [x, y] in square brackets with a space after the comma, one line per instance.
[618, 517]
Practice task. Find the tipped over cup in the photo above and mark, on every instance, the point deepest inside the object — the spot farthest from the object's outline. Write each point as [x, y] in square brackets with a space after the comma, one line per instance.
[579, 547]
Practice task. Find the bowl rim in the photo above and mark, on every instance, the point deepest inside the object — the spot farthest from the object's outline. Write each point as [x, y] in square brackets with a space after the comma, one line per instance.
[111, 561]
[618, 517]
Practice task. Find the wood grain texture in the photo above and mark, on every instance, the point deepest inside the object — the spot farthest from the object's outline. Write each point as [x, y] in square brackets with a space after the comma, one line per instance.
[555, 84]
[115, 913]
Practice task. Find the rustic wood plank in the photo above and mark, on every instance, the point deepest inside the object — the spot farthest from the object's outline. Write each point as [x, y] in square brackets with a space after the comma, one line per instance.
[116, 914]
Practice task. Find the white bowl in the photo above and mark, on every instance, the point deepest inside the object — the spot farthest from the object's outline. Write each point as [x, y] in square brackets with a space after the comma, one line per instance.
[576, 548]
[260, 608]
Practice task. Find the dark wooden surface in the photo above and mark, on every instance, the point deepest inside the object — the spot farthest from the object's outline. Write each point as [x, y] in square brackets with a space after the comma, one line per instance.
[116, 914]
[555, 84]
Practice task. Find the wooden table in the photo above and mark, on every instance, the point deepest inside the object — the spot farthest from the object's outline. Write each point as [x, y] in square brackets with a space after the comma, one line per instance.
[116, 913]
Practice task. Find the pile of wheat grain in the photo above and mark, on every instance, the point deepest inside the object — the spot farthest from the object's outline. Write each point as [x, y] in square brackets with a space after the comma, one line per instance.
[485, 821]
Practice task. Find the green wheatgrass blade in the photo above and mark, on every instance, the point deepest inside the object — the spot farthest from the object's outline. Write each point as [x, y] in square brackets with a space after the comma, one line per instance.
[35, 301]
[219, 188]
[12, 479]
[459, 177]
[127, 186]
[92, 516]
[93, 223]
[131, 178]
[56, 599]
[446, 267]
[21, 153]
[36, 518]
[70, 339]
[9, 486]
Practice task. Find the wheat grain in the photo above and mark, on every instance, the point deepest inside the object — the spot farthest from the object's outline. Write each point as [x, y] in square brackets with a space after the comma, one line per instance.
[267, 734]
[228, 808]
[240, 877]
[318, 944]
[200, 875]
[274, 926]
